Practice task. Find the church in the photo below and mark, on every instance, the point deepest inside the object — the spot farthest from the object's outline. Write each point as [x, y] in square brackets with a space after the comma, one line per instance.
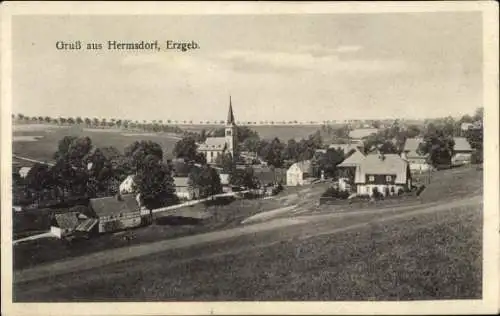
[214, 147]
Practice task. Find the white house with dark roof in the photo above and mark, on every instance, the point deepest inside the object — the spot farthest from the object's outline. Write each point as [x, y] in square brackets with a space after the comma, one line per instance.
[387, 173]
[214, 147]
[347, 169]
[298, 173]
[417, 161]
[462, 151]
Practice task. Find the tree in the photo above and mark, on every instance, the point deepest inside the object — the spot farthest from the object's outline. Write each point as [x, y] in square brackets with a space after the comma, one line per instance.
[328, 162]
[438, 145]
[244, 178]
[271, 152]
[227, 162]
[206, 180]
[413, 131]
[251, 144]
[478, 115]
[63, 146]
[291, 151]
[139, 150]
[77, 150]
[79, 120]
[475, 139]
[155, 183]
[186, 148]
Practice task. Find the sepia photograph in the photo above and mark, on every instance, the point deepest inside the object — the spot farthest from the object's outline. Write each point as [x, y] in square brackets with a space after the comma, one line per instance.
[257, 152]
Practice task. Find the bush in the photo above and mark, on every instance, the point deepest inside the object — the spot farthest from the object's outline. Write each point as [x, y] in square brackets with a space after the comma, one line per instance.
[376, 194]
[401, 191]
[335, 193]
[420, 189]
[393, 191]
[387, 192]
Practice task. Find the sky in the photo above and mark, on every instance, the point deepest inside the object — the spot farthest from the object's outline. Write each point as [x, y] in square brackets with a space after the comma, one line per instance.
[275, 67]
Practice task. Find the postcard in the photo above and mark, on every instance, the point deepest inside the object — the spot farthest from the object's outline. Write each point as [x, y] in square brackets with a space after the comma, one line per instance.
[250, 158]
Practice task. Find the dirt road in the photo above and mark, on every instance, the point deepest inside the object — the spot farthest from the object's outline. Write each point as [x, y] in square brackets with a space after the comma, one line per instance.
[305, 227]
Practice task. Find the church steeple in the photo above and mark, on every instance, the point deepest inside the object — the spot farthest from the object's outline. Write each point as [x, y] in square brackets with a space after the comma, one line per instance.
[230, 115]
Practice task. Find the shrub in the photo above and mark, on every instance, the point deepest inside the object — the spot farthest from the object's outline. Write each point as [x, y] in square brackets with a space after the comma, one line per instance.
[376, 194]
[420, 190]
[335, 193]
[387, 192]
[400, 191]
[393, 191]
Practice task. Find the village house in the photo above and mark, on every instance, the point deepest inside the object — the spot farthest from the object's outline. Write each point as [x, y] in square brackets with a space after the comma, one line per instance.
[346, 170]
[128, 185]
[115, 213]
[462, 152]
[214, 147]
[299, 173]
[64, 224]
[183, 190]
[386, 173]
[73, 222]
[418, 162]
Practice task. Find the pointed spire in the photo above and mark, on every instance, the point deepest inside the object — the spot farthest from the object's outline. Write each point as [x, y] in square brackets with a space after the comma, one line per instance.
[230, 115]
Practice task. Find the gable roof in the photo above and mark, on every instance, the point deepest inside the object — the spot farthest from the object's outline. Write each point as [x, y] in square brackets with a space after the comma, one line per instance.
[353, 160]
[461, 144]
[181, 181]
[213, 143]
[390, 164]
[411, 147]
[111, 205]
[66, 220]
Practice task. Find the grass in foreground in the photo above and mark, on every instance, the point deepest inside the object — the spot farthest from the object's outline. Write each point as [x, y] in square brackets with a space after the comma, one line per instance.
[432, 256]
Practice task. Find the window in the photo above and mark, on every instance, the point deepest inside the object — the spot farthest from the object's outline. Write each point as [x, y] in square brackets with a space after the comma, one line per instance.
[388, 178]
[371, 178]
[228, 132]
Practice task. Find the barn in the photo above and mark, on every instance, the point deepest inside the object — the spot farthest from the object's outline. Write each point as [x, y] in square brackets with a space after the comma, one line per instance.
[115, 213]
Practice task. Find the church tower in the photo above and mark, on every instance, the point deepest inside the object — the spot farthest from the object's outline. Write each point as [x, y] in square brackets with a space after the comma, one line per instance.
[231, 131]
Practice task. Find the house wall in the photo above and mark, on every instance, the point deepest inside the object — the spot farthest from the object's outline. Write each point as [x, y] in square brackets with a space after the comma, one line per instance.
[462, 158]
[294, 177]
[211, 155]
[56, 231]
[380, 179]
[114, 223]
[367, 189]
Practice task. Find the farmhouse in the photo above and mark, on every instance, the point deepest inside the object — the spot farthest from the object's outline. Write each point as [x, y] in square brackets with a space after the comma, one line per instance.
[115, 213]
[183, 190]
[462, 152]
[418, 162]
[298, 173]
[347, 170]
[387, 173]
[128, 185]
[214, 147]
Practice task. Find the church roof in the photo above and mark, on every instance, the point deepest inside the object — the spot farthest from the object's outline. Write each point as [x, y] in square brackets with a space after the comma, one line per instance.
[213, 143]
[230, 114]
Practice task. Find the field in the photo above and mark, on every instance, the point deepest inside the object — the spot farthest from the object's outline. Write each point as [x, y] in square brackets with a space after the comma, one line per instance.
[44, 148]
[428, 249]
[39, 141]
[283, 132]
